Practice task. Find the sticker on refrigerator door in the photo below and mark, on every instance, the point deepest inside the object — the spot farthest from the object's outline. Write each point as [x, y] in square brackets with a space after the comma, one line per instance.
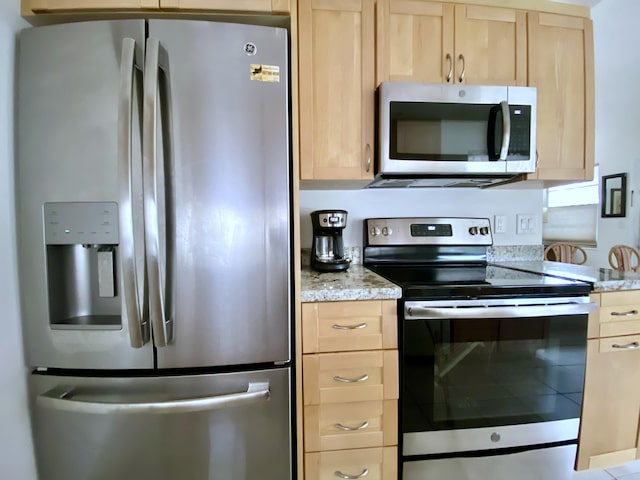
[265, 73]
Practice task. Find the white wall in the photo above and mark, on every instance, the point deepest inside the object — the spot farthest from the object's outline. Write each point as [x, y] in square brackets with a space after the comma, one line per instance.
[435, 202]
[16, 456]
[617, 80]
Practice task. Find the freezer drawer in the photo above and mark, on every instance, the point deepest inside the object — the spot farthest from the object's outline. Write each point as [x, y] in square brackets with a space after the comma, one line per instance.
[230, 426]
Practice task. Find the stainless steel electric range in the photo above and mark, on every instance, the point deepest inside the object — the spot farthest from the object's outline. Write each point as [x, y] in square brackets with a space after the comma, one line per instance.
[492, 359]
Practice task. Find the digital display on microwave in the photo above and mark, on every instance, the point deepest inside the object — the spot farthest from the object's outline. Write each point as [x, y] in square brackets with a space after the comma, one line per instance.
[431, 230]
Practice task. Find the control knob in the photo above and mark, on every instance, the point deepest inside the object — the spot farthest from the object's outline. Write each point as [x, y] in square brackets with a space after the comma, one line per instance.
[484, 230]
[473, 230]
[386, 231]
[375, 231]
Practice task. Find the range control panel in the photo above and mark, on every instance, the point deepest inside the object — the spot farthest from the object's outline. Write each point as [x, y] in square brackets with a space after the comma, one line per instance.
[428, 231]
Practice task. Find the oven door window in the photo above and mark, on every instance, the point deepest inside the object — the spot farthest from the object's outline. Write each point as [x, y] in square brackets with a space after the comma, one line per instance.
[472, 373]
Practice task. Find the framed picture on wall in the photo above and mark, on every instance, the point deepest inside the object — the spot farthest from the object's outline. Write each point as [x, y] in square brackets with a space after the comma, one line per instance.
[614, 195]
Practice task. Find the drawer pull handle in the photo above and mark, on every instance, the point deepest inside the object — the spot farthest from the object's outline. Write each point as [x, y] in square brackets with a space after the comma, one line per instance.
[364, 377]
[362, 426]
[624, 314]
[360, 326]
[628, 346]
[339, 474]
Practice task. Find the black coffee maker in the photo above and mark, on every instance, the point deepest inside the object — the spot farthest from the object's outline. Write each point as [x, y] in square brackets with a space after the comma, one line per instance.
[327, 250]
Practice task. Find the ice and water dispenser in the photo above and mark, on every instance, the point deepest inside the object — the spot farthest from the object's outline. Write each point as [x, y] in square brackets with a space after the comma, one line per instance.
[82, 246]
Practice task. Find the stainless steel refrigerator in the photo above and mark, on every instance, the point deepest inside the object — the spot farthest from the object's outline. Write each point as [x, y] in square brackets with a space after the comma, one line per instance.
[153, 191]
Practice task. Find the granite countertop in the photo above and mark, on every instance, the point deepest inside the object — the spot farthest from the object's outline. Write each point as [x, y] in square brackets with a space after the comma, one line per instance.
[602, 279]
[356, 283]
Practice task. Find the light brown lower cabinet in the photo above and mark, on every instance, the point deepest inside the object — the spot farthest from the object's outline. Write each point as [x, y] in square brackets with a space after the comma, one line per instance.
[378, 463]
[611, 402]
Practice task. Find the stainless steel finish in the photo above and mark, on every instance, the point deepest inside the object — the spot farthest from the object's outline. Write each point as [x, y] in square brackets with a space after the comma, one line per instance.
[629, 313]
[360, 326]
[450, 74]
[368, 165]
[229, 218]
[152, 190]
[472, 439]
[452, 93]
[502, 308]
[106, 272]
[399, 231]
[339, 474]
[132, 303]
[249, 441]
[461, 77]
[627, 346]
[363, 378]
[506, 130]
[555, 463]
[68, 102]
[63, 399]
[344, 428]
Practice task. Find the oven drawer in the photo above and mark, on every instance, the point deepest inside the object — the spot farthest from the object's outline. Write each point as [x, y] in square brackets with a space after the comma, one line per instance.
[342, 426]
[620, 313]
[350, 377]
[345, 326]
[378, 463]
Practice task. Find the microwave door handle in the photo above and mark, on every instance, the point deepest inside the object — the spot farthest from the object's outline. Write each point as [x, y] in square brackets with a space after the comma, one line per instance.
[130, 292]
[506, 130]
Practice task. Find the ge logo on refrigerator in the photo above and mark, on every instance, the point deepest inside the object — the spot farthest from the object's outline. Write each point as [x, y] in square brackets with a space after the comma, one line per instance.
[250, 48]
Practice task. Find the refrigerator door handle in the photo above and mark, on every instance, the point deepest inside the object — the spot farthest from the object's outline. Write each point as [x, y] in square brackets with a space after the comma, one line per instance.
[131, 295]
[61, 398]
[152, 189]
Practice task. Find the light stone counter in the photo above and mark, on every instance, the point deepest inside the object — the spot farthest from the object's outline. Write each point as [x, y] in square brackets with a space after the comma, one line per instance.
[357, 283]
[602, 279]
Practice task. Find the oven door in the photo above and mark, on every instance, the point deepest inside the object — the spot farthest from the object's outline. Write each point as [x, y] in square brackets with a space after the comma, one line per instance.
[491, 374]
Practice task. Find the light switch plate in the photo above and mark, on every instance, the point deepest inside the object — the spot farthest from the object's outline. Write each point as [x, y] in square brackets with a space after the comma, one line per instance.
[500, 224]
[526, 223]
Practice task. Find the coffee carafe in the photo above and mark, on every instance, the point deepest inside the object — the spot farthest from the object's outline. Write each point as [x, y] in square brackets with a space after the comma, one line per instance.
[327, 249]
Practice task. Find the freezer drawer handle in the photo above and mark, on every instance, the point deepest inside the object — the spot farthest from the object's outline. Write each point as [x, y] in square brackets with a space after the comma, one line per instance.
[362, 426]
[339, 474]
[61, 398]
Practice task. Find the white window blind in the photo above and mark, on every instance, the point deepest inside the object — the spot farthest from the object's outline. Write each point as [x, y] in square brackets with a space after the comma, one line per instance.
[571, 213]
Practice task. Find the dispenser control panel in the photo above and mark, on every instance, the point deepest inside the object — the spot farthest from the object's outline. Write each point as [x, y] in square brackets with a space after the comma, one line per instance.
[71, 223]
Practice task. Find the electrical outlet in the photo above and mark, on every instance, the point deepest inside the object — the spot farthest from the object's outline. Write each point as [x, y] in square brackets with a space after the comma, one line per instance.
[500, 224]
[525, 224]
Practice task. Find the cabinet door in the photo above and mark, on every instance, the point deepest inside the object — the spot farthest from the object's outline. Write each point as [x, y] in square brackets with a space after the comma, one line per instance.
[561, 67]
[414, 41]
[42, 6]
[490, 45]
[611, 403]
[336, 51]
[275, 6]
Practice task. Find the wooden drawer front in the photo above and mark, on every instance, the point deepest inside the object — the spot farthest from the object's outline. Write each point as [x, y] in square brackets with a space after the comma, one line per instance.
[373, 424]
[350, 377]
[619, 313]
[379, 463]
[622, 344]
[344, 326]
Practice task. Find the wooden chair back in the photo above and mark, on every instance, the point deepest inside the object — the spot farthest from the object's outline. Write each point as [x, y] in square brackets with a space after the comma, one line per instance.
[624, 258]
[565, 253]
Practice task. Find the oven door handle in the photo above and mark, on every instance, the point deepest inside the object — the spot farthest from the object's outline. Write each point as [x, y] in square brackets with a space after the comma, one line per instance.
[415, 312]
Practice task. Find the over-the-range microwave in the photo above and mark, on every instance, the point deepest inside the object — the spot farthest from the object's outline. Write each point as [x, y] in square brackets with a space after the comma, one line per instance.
[454, 135]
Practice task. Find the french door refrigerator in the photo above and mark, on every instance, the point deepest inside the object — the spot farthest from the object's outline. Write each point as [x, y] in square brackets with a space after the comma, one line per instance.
[153, 191]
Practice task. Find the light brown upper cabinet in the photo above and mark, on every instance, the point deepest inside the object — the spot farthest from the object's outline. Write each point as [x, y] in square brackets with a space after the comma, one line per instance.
[337, 86]
[442, 43]
[561, 67]
[30, 7]
[273, 6]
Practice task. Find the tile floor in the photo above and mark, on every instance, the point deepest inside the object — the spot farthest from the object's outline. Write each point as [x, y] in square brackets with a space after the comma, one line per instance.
[627, 471]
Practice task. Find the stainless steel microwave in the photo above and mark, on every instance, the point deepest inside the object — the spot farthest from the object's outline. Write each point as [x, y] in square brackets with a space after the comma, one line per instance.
[480, 135]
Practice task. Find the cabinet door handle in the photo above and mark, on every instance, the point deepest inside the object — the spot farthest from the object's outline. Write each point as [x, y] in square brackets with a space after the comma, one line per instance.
[351, 380]
[339, 474]
[368, 150]
[360, 326]
[628, 346]
[461, 77]
[362, 426]
[450, 74]
[629, 313]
